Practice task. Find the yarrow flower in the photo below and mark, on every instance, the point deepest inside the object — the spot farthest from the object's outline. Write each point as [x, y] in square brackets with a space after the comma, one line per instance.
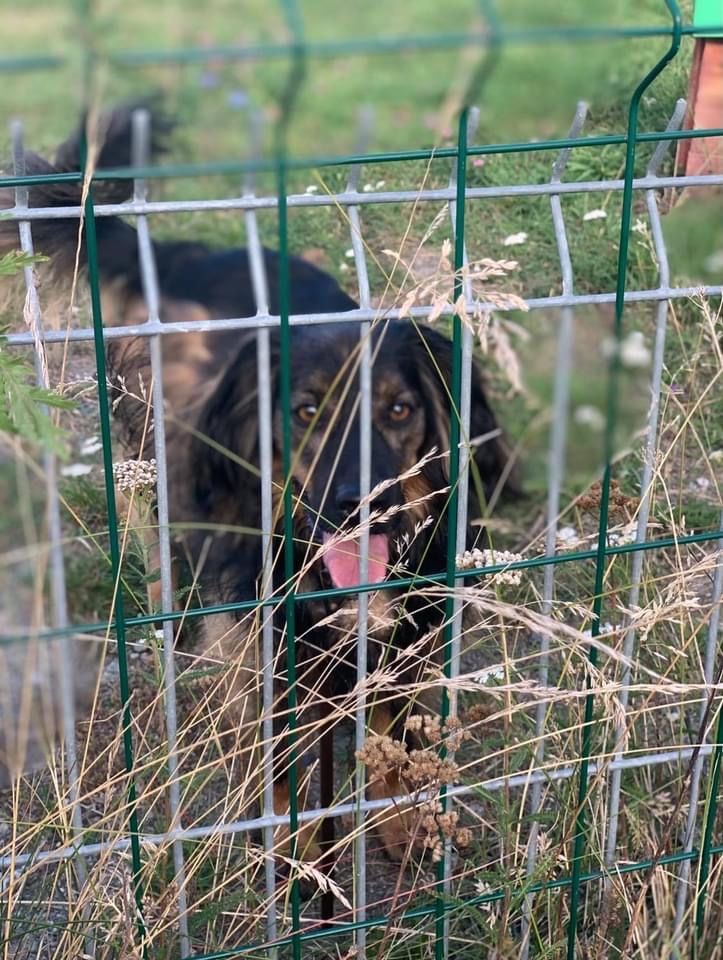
[487, 558]
[139, 475]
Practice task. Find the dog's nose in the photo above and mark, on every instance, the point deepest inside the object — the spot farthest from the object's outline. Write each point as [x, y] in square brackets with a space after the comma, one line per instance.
[347, 498]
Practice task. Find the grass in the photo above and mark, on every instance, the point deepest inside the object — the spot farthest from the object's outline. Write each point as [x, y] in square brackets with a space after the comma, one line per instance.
[532, 93]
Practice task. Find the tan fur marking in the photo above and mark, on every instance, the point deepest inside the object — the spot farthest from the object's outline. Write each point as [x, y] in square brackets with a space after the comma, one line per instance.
[306, 846]
[233, 644]
[415, 488]
[395, 825]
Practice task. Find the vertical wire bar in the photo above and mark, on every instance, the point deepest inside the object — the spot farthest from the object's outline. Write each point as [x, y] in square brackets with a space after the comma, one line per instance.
[140, 147]
[440, 942]
[451, 651]
[703, 874]
[555, 473]
[365, 428]
[289, 604]
[681, 895]
[461, 384]
[115, 557]
[460, 535]
[293, 85]
[646, 481]
[611, 418]
[55, 533]
[259, 284]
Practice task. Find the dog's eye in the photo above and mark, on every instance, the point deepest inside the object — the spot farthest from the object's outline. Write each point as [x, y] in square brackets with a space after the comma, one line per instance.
[306, 412]
[398, 412]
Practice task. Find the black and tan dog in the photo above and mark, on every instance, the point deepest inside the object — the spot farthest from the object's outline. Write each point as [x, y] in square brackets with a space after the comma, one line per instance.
[212, 429]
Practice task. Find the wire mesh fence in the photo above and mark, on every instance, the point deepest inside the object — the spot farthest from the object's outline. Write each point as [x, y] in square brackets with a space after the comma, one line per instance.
[557, 793]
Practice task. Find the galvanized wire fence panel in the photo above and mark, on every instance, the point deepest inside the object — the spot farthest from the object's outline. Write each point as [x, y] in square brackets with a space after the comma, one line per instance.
[171, 907]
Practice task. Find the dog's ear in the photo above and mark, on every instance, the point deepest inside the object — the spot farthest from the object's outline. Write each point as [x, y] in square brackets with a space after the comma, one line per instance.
[225, 448]
[492, 471]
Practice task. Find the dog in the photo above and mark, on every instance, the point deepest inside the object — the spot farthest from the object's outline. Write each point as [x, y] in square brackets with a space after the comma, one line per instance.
[211, 392]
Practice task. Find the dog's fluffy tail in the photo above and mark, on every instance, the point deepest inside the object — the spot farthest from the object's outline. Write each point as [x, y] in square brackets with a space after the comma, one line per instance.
[58, 238]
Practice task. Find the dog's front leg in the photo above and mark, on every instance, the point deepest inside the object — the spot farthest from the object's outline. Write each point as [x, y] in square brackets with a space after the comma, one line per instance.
[398, 824]
[307, 847]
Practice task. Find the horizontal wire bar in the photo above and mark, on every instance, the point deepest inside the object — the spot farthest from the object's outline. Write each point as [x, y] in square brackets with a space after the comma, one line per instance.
[131, 208]
[359, 47]
[228, 167]
[151, 328]
[707, 536]
[512, 781]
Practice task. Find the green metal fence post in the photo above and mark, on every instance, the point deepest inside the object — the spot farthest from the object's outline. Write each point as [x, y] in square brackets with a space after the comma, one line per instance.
[611, 420]
[291, 90]
[116, 561]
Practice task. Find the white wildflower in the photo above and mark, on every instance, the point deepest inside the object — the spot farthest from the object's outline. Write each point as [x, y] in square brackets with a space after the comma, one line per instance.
[702, 483]
[135, 474]
[379, 184]
[595, 215]
[489, 906]
[487, 558]
[606, 627]
[714, 263]
[625, 534]
[485, 677]
[567, 538]
[76, 470]
[349, 254]
[312, 188]
[629, 532]
[344, 267]
[640, 227]
[633, 351]
[368, 187]
[515, 239]
[588, 416]
[90, 446]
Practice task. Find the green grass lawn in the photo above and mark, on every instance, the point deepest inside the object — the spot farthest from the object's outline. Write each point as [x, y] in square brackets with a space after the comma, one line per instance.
[531, 94]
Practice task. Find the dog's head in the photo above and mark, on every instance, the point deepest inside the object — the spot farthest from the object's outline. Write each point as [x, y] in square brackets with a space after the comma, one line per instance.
[410, 429]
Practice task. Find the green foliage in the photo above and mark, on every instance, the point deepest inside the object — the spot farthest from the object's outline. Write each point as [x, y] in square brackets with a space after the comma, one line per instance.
[23, 405]
[16, 260]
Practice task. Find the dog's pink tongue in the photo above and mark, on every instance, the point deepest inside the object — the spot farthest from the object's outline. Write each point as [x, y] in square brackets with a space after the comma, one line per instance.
[342, 560]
